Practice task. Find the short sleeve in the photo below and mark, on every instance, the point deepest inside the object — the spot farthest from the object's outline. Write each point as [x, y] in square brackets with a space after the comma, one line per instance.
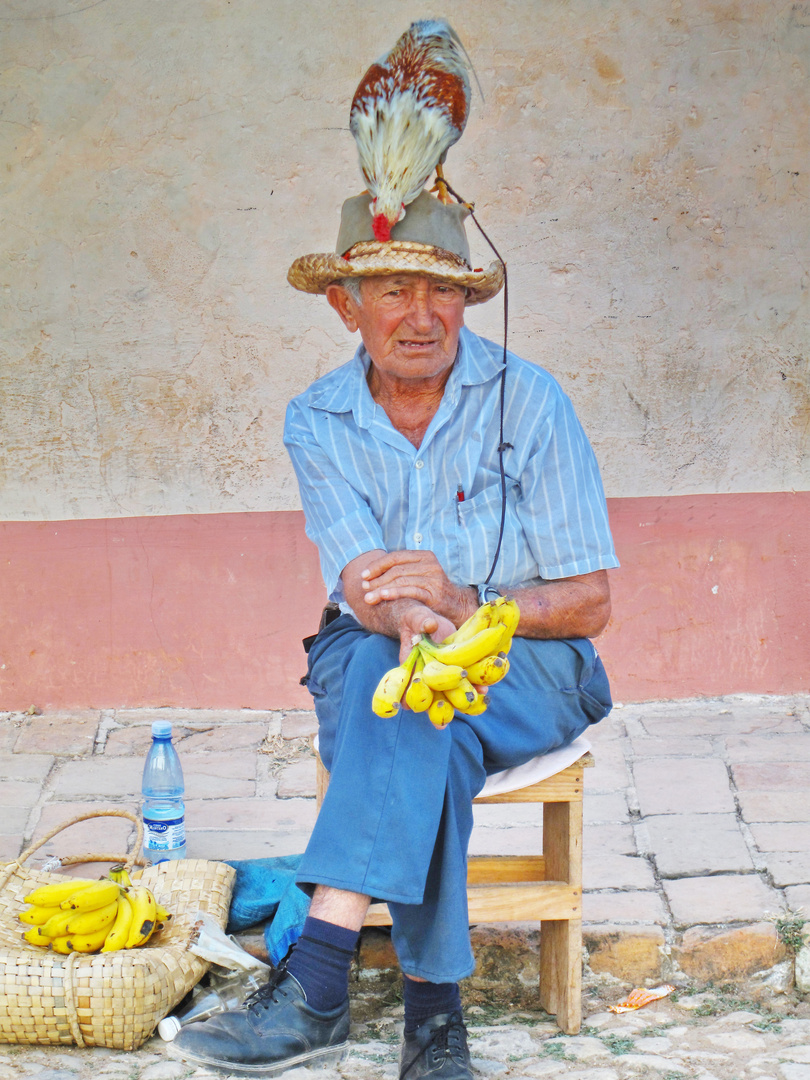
[339, 520]
[561, 505]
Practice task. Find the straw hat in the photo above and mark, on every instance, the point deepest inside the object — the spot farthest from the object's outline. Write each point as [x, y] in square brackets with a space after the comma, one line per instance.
[430, 239]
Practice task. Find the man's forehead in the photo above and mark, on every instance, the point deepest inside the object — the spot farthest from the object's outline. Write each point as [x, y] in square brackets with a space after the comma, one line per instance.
[387, 281]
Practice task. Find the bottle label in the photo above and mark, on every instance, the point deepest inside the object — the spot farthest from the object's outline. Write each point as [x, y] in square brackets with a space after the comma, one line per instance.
[164, 835]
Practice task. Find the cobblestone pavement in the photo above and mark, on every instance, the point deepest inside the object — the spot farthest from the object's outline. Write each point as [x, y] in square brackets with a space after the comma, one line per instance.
[702, 1036]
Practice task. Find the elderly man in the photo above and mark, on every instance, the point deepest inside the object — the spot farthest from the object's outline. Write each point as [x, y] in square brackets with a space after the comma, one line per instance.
[398, 455]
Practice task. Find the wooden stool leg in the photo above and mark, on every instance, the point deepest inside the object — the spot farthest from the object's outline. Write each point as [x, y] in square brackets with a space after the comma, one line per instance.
[321, 780]
[561, 939]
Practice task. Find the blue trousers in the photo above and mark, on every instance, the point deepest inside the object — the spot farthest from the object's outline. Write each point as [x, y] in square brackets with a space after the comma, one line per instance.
[397, 816]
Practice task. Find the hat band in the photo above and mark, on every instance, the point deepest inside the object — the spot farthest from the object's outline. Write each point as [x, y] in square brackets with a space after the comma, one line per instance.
[423, 252]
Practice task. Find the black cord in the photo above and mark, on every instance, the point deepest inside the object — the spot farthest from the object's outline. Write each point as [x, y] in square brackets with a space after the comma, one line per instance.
[501, 444]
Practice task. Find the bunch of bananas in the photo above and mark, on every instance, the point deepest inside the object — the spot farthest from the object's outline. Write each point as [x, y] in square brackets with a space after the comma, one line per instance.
[438, 679]
[81, 915]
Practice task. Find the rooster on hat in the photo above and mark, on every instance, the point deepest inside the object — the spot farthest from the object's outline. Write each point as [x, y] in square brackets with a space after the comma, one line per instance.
[409, 109]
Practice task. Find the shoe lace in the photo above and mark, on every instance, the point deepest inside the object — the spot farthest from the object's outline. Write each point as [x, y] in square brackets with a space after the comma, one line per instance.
[265, 995]
[448, 1040]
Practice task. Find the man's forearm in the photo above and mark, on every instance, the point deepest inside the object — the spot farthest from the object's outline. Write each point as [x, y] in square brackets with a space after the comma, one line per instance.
[575, 607]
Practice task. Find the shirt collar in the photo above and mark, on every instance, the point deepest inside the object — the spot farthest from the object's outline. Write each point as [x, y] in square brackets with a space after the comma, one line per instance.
[346, 389]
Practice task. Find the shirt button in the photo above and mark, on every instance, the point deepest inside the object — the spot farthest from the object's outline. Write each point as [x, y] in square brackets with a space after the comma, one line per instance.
[420, 464]
[417, 537]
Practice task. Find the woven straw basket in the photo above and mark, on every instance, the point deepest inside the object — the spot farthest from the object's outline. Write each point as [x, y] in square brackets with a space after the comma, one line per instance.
[106, 999]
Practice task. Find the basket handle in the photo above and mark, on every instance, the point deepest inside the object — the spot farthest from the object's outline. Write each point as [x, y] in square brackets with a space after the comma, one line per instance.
[128, 861]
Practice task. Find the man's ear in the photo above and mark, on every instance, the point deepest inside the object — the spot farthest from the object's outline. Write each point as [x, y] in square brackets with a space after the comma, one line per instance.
[344, 305]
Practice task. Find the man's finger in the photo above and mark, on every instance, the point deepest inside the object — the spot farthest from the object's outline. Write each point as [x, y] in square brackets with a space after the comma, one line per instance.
[397, 592]
[391, 559]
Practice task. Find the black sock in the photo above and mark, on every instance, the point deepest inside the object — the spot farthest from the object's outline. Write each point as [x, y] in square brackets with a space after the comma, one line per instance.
[426, 999]
[320, 962]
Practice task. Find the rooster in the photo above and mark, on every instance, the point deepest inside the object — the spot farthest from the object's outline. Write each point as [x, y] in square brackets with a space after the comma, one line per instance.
[409, 109]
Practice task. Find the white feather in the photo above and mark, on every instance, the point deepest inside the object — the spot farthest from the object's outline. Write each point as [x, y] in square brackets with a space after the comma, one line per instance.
[399, 147]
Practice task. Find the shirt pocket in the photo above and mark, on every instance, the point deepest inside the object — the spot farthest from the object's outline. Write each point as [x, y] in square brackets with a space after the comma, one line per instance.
[478, 522]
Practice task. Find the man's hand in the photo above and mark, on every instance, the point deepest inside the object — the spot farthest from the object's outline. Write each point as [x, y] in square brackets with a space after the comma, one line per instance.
[417, 575]
[403, 616]
[417, 620]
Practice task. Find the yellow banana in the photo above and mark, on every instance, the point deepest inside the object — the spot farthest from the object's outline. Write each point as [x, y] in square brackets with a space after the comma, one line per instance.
[418, 696]
[144, 916]
[461, 697]
[391, 687]
[119, 934]
[84, 943]
[478, 706]
[506, 612]
[90, 922]
[465, 653]
[34, 936]
[162, 914]
[441, 676]
[388, 694]
[53, 895]
[440, 712]
[119, 874]
[488, 671]
[479, 620]
[97, 895]
[36, 916]
[61, 945]
[56, 926]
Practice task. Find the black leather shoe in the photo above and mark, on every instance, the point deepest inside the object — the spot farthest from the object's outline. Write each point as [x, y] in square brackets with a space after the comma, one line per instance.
[273, 1031]
[438, 1049]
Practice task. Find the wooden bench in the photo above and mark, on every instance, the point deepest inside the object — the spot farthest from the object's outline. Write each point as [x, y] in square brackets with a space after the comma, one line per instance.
[544, 888]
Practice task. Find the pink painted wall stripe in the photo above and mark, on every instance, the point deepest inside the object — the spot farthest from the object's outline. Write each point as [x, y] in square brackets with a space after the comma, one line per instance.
[209, 611]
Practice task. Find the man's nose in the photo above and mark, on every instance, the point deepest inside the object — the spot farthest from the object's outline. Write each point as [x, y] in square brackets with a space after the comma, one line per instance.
[421, 314]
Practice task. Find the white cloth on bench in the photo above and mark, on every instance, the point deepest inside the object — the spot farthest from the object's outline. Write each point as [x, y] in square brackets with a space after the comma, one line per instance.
[532, 772]
[539, 768]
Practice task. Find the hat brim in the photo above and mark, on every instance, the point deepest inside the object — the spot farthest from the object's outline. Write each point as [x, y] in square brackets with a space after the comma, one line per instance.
[315, 273]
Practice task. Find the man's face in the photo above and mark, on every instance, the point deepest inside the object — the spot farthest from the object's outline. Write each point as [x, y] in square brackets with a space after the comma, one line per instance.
[409, 323]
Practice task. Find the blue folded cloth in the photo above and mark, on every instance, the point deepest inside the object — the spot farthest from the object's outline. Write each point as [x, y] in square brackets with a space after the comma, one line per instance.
[265, 892]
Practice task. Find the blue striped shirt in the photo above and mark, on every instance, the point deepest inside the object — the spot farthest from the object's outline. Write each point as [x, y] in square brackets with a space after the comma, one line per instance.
[364, 486]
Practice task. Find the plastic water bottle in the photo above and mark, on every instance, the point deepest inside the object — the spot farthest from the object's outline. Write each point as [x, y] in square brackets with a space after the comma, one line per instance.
[222, 994]
[162, 787]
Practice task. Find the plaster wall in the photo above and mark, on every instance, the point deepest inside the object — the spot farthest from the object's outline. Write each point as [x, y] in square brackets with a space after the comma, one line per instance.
[642, 168]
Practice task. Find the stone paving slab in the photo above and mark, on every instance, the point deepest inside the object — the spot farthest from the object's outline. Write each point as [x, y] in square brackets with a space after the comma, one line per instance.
[781, 836]
[788, 868]
[676, 785]
[103, 834]
[616, 871]
[56, 733]
[19, 793]
[626, 908]
[777, 806]
[716, 843]
[606, 809]
[25, 767]
[722, 898]
[762, 748]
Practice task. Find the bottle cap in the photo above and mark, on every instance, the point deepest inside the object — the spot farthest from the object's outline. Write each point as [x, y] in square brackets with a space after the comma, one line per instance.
[168, 1028]
[161, 728]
